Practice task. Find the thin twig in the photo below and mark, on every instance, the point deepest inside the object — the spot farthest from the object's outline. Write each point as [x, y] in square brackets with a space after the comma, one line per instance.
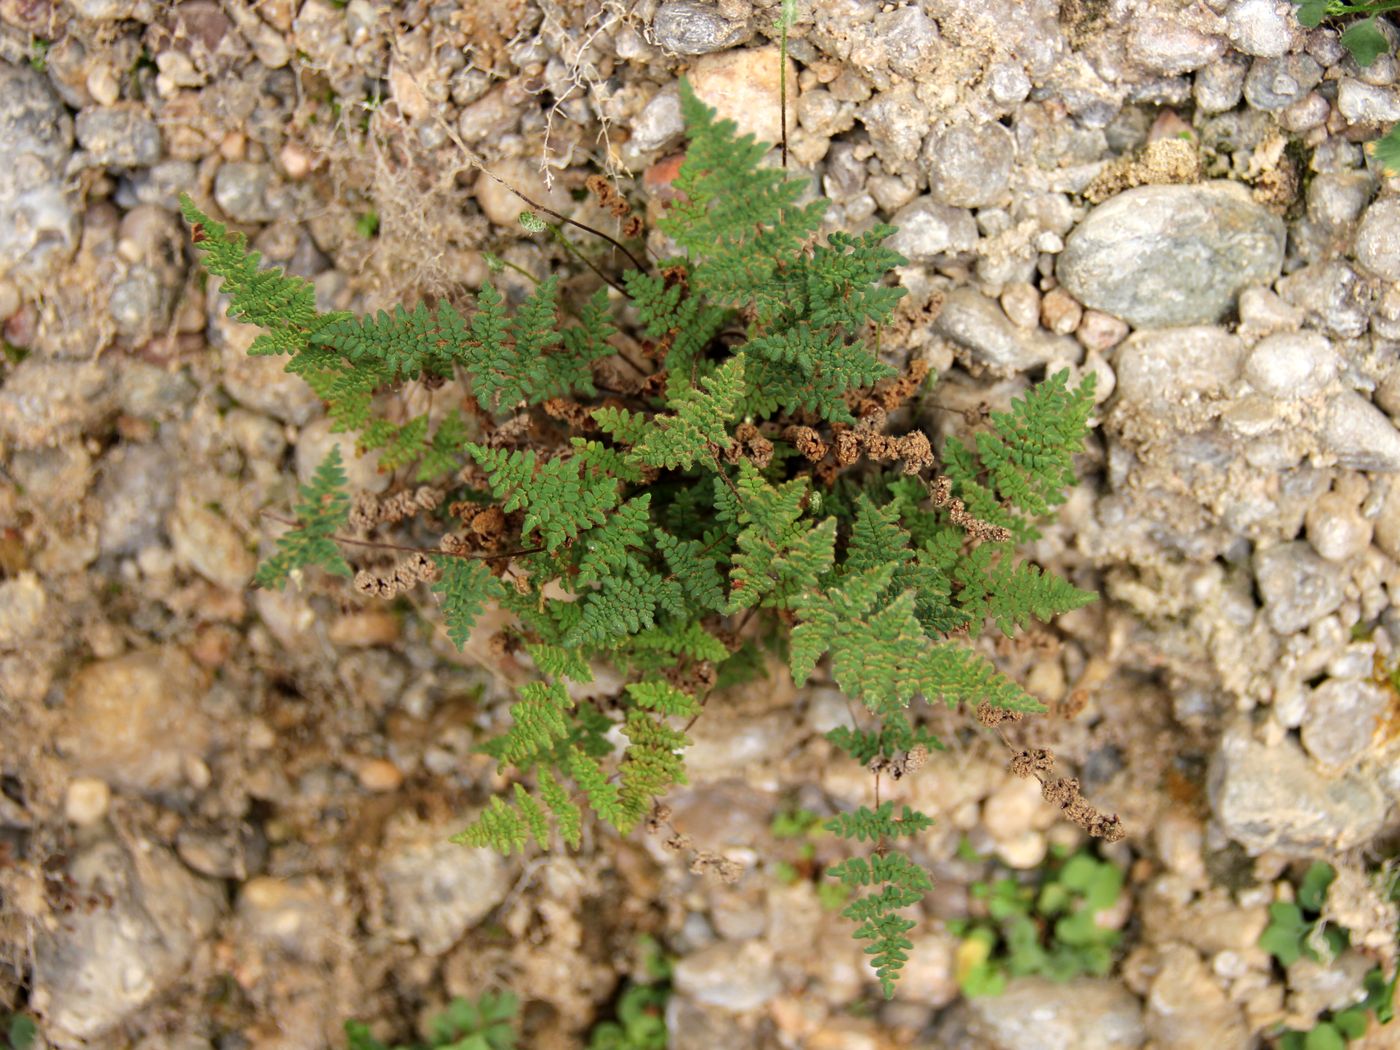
[637, 263]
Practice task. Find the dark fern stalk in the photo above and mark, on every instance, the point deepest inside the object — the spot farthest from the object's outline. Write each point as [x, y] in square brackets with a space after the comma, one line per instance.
[746, 494]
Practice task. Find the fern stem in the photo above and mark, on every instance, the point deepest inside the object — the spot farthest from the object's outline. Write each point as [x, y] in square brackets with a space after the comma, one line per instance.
[636, 263]
[573, 250]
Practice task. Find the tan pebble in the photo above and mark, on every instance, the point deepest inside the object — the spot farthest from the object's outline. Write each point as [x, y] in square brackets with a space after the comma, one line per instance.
[1100, 331]
[86, 801]
[365, 629]
[232, 145]
[1059, 312]
[380, 775]
[103, 86]
[296, 161]
[9, 300]
[1021, 303]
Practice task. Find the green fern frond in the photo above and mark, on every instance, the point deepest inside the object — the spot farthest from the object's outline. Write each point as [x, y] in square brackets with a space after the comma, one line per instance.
[464, 589]
[903, 884]
[538, 721]
[663, 698]
[558, 662]
[561, 499]
[1021, 591]
[323, 511]
[443, 454]
[697, 429]
[736, 217]
[696, 567]
[1028, 455]
[876, 824]
[606, 548]
[779, 555]
[282, 305]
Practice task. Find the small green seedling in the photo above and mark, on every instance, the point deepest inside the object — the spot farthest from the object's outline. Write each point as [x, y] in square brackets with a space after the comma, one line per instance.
[487, 1024]
[1296, 930]
[641, 1011]
[17, 1032]
[1050, 928]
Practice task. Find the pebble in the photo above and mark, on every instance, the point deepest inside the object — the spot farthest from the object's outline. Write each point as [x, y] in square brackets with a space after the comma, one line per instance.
[1160, 256]
[1364, 103]
[1169, 47]
[1336, 527]
[911, 41]
[659, 124]
[979, 325]
[969, 166]
[743, 86]
[46, 402]
[1378, 239]
[1160, 370]
[119, 136]
[1315, 986]
[1359, 434]
[23, 605]
[291, 918]
[1260, 27]
[1341, 720]
[436, 890]
[135, 721]
[1187, 1009]
[896, 120]
[86, 800]
[203, 540]
[244, 191]
[1036, 1013]
[1219, 86]
[1291, 364]
[1273, 797]
[100, 966]
[930, 232]
[1298, 587]
[1276, 83]
[1059, 312]
[689, 27]
[379, 775]
[1099, 331]
[1337, 198]
[39, 225]
[1020, 300]
[1331, 296]
[732, 976]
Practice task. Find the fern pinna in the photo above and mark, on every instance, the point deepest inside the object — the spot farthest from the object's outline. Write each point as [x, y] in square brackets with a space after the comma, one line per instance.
[739, 484]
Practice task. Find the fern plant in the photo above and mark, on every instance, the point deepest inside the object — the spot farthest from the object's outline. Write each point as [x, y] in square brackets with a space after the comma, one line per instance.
[745, 484]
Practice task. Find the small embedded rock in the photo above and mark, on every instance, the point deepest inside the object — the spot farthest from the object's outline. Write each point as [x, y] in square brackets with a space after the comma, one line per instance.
[1378, 239]
[1273, 84]
[1291, 364]
[135, 721]
[1341, 720]
[969, 166]
[927, 231]
[743, 86]
[1298, 587]
[689, 27]
[1359, 434]
[1275, 798]
[1260, 27]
